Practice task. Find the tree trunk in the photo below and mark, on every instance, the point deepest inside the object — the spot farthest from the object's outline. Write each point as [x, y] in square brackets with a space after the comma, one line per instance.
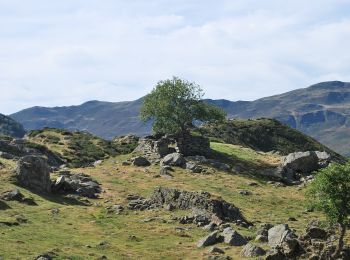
[342, 230]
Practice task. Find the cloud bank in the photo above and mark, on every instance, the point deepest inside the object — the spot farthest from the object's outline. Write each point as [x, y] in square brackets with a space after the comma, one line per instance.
[65, 52]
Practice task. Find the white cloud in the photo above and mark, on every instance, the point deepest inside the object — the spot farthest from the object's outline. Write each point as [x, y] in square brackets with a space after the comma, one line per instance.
[66, 52]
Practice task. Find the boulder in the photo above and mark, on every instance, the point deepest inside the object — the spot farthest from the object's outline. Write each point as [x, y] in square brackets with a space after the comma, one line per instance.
[33, 173]
[174, 159]
[209, 240]
[232, 237]
[140, 161]
[194, 167]
[79, 183]
[281, 236]
[250, 250]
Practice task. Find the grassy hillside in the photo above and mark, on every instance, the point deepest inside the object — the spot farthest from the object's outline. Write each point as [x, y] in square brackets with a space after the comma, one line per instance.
[72, 228]
[263, 135]
[77, 148]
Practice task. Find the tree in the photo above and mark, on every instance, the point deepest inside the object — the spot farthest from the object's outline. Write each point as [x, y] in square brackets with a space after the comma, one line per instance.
[330, 193]
[174, 104]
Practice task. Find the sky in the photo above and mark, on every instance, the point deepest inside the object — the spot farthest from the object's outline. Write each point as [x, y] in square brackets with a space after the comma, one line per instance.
[66, 52]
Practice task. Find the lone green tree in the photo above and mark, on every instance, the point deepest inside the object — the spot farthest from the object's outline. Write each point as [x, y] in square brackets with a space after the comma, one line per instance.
[174, 104]
[330, 193]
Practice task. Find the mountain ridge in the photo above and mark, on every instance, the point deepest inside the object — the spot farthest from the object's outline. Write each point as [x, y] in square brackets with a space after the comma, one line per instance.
[321, 110]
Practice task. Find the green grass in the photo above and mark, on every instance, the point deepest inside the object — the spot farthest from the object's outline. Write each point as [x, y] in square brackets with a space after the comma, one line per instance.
[77, 230]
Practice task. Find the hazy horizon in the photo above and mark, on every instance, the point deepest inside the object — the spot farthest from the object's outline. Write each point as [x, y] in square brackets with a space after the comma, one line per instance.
[69, 52]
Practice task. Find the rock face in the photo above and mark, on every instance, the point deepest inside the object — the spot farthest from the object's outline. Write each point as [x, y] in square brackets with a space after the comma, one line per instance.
[33, 173]
[154, 147]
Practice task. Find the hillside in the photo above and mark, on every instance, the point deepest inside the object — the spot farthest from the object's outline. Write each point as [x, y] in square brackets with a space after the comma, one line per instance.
[321, 111]
[10, 127]
[77, 149]
[267, 135]
[69, 226]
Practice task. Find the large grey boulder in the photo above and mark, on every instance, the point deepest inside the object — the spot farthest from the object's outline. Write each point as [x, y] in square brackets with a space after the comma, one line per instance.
[281, 236]
[209, 240]
[33, 173]
[250, 250]
[174, 159]
[302, 162]
[232, 237]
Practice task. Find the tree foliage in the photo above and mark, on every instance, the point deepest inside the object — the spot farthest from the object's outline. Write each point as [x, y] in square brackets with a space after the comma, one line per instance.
[174, 104]
[330, 193]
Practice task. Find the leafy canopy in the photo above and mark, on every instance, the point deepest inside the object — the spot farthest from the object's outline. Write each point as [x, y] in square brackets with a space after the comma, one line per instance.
[330, 193]
[174, 104]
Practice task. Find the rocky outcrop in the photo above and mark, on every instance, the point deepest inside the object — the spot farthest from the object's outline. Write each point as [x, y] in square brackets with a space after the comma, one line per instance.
[186, 200]
[33, 173]
[297, 167]
[14, 149]
[156, 147]
[79, 183]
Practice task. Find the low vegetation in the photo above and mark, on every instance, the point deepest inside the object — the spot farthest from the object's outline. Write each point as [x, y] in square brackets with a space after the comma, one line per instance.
[263, 135]
[77, 149]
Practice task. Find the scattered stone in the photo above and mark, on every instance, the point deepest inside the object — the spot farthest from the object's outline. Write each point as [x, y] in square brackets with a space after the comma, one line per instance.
[292, 219]
[233, 238]
[276, 254]
[253, 184]
[194, 167]
[33, 173]
[250, 250]
[117, 209]
[216, 250]
[209, 240]
[245, 192]
[140, 161]
[126, 163]
[97, 163]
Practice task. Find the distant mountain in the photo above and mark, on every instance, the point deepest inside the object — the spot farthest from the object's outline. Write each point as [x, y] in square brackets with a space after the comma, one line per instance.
[105, 119]
[10, 127]
[321, 111]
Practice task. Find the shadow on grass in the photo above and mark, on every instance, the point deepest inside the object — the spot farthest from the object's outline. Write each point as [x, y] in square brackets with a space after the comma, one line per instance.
[246, 167]
[4, 206]
[64, 199]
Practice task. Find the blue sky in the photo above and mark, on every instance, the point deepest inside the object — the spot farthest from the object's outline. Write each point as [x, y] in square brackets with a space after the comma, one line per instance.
[55, 53]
